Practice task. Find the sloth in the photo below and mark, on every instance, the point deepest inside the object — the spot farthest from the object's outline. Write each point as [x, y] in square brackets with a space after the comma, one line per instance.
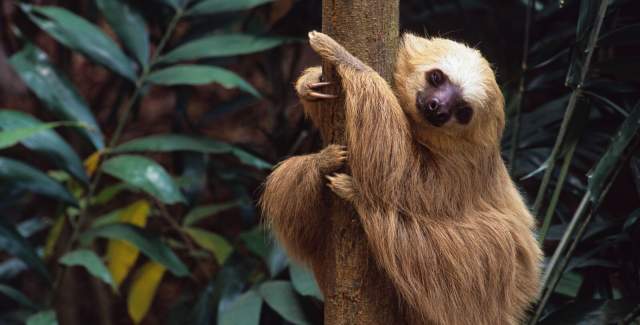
[441, 216]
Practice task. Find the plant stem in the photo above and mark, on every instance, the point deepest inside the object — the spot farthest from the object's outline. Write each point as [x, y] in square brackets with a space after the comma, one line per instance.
[515, 135]
[140, 83]
[591, 44]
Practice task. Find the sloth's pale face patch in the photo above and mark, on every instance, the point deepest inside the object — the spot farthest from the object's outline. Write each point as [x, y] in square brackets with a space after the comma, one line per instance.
[449, 88]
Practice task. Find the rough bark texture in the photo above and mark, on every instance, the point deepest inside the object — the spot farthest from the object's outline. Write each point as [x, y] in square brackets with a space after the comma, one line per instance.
[369, 30]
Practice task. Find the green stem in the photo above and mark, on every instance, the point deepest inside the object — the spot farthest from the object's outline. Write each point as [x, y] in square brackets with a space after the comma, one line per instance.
[122, 121]
[515, 135]
[556, 193]
[591, 44]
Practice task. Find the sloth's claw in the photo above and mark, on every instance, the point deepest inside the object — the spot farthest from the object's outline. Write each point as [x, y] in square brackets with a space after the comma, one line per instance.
[316, 85]
[318, 95]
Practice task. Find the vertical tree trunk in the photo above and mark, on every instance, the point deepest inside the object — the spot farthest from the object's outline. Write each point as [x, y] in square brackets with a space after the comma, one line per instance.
[360, 295]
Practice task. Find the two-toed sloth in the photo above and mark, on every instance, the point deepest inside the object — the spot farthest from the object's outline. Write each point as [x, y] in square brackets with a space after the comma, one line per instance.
[442, 218]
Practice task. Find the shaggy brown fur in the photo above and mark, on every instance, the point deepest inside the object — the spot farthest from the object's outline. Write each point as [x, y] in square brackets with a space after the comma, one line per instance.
[442, 217]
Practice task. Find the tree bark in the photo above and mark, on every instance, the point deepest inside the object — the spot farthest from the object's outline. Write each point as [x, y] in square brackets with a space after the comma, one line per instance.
[359, 293]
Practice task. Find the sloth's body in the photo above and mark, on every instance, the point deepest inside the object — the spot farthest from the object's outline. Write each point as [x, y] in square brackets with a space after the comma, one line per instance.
[442, 218]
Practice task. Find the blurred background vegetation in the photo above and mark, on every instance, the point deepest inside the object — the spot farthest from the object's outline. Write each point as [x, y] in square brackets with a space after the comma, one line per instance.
[134, 136]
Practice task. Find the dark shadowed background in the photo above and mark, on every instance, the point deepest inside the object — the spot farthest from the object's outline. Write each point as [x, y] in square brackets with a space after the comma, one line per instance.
[135, 135]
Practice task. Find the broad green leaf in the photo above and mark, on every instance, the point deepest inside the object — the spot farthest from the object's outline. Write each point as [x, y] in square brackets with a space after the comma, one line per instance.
[91, 262]
[220, 46]
[15, 244]
[207, 7]
[121, 256]
[37, 136]
[129, 25]
[17, 296]
[145, 174]
[143, 290]
[55, 91]
[178, 142]
[109, 192]
[25, 177]
[191, 74]
[259, 242]
[80, 35]
[46, 317]
[304, 282]
[201, 212]
[212, 242]
[570, 284]
[279, 295]
[598, 177]
[244, 311]
[147, 243]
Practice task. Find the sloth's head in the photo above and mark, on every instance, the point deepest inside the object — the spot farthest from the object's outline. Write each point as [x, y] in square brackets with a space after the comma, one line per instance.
[449, 92]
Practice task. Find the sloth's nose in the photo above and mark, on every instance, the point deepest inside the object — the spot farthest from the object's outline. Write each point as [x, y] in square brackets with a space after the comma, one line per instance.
[439, 104]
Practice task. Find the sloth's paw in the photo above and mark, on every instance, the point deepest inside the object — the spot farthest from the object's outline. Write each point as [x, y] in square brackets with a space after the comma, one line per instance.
[342, 185]
[332, 158]
[310, 83]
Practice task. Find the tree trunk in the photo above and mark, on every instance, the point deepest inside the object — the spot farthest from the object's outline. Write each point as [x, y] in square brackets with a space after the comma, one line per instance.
[361, 293]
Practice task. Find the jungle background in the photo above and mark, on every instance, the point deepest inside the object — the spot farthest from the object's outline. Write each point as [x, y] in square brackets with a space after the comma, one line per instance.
[135, 135]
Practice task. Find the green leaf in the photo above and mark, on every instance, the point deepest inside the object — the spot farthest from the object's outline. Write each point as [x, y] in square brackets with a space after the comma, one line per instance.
[80, 35]
[129, 25]
[17, 296]
[145, 174]
[191, 74]
[148, 244]
[304, 282]
[175, 4]
[212, 242]
[599, 175]
[222, 45]
[15, 244]
[207, 7]
[570, 284]
[177, 142]
[46, 317]
[279, 295]
[201, 212]
[91, 262]
[56, 91]
[244, 311]
[45, 141]
[25, 177]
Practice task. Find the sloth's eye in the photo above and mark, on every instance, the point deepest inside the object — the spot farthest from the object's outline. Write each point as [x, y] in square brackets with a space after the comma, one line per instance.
[435, 77]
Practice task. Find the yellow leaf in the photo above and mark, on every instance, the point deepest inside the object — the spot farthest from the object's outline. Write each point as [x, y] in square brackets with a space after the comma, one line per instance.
[121, 256]
[54, 234]
[212, 242]
[143, 289]
[91, 163]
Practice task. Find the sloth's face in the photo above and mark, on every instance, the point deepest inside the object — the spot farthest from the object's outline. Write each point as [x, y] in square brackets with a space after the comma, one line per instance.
[448, 88]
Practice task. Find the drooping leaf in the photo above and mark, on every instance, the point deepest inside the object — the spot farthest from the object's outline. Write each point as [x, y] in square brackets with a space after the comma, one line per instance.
[80, 35]
[178, 142]
[243, 311]
[129, 25]
[46, 317]
[91, 262]
[222, 45]
[146, 175]
[37, 136]
[147, 243]
[27, 178]
[600, 173]
[207, 7]
[55, 91]
[143, 290]
[212, 242]
[191, 74]
[280, 296]
[17, 296]
[201, 212]
[121, 256]
[303, 281]
[54, 235]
